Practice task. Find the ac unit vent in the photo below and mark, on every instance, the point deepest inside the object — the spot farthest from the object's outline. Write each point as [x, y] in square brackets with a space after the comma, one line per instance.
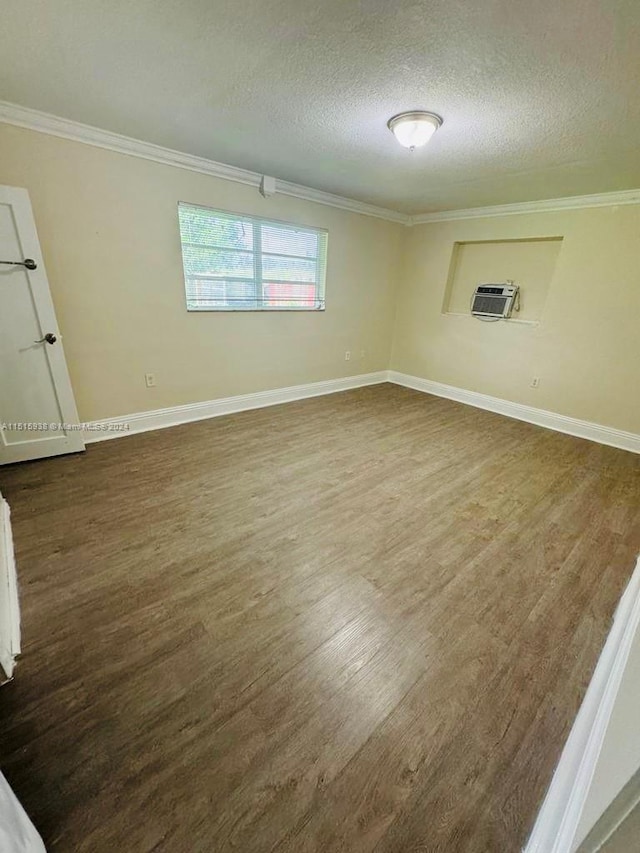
[494, 300]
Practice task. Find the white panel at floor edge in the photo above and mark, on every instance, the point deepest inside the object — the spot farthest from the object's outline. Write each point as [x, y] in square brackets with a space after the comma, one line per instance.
[17, 833]
[557, 822]
[9, 607]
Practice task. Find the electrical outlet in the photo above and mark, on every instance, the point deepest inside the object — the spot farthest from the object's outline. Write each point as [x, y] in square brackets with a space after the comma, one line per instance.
[535, 382]
[150, 380]
[347, 356]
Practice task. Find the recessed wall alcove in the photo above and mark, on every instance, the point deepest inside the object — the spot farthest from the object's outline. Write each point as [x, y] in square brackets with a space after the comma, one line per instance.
[529, 263]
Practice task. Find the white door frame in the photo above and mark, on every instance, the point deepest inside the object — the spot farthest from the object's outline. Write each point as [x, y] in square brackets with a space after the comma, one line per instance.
[557, 823]
[70, 440]
[9, 605]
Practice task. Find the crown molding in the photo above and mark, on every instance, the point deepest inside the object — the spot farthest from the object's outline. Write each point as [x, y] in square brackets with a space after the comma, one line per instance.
[67, 129]
[549, 205]
[353, 205]
[89, 135]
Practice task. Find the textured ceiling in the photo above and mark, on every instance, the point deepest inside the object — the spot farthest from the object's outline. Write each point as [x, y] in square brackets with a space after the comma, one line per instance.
[540, 98]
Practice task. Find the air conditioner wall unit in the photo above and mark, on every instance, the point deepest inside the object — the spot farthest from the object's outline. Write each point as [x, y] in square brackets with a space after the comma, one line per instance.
[494, 300]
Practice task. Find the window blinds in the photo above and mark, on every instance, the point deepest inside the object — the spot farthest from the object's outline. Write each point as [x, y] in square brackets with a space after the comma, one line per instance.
[234, 262]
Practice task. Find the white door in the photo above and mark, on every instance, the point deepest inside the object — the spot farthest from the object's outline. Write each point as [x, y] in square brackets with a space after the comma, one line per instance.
[37, 409]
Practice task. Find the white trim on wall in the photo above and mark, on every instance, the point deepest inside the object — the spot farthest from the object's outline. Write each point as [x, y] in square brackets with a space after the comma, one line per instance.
[548, 205]
[76, 131]
[558, 820]
[9, 603]
[540, 417]
[175, 415]
[162, 418]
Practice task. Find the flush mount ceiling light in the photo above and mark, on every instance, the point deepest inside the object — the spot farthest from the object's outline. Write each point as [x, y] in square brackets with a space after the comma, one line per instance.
[414, 129]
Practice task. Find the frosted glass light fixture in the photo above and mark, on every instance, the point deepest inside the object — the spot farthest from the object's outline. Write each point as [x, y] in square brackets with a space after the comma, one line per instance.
[414, 129]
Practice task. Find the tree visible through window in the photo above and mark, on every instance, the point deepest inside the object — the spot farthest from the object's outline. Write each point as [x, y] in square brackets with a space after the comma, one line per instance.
[234, 262]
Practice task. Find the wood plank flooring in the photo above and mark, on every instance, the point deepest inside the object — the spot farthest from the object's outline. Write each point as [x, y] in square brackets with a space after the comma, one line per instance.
[361, 622]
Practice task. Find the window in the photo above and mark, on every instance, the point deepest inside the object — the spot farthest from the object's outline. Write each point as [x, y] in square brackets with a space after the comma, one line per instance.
[234, 262]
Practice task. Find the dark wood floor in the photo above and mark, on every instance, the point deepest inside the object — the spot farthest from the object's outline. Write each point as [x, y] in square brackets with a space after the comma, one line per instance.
[354, 623]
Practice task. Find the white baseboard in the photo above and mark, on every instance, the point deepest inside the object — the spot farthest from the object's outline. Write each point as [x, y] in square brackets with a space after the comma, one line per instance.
[560, 423]
[557, 823]
[162, 418]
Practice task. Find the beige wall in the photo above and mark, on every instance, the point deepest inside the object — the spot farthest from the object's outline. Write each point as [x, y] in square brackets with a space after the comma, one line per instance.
[586, 348]
[108, 227]
[109, 232]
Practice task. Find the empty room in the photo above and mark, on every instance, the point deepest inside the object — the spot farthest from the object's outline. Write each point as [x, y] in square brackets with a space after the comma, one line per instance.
[319, 426]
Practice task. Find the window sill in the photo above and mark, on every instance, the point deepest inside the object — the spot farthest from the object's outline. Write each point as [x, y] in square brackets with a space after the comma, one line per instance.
[500, 319]
[255, 310]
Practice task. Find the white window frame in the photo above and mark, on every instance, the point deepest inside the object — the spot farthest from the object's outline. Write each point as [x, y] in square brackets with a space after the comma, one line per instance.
[258, 282]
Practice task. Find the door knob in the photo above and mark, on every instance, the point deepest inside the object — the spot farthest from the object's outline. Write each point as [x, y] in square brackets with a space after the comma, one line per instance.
[49, 338]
